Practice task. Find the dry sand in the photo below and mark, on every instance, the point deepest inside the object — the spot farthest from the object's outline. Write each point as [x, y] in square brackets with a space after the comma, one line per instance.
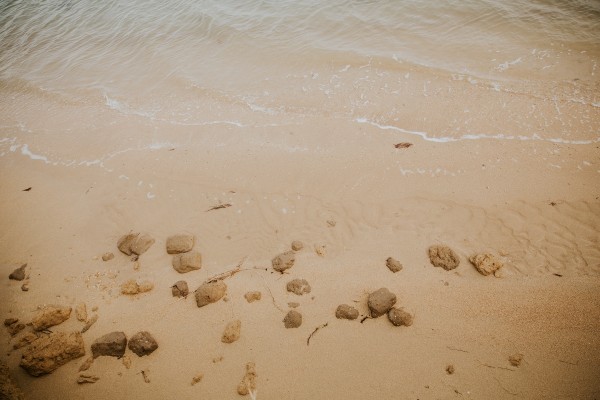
[535, 204]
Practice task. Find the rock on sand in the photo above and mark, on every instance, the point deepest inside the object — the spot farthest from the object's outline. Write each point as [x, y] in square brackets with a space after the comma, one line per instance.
[142, 344]
[232, 331]
[253, 296]
[48, 353]
[293, 319]
[134, 243]
[399, 317]
[380, 302]
[443, 257]
[248, 383]
[187, 262]
[344, 311]
[18, 274]
[180, 289]
[50, 316]
[112, 344]
[131, 287]
[486, 263]
[283, 261]
[393, 264]
[210, 292]
[180, 243]
[297, 245]
[298, 286]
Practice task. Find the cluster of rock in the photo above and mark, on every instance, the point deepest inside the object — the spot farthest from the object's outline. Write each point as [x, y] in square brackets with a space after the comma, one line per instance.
[114, 344]
[444, 257]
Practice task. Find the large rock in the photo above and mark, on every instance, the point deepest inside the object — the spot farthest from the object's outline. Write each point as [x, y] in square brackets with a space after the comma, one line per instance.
[180, 243]
[486, 263]
[283, 261]
[293, 319]
[399, 317]
[48, 353]
[344, 311]
[210, 292]
[18, 274]
[112, 344]
[187, 262]
[8, 388]
[142, 343]
[443, 257]
[380, 302]
[298, 286]
[50, 316]
[232, 331]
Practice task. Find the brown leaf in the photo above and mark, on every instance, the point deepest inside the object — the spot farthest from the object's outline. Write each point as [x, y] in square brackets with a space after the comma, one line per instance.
[219, 206]
[403, 145]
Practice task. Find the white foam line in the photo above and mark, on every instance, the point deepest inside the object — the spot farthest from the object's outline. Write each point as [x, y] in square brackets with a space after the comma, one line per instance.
[26, 152]
[499, 136]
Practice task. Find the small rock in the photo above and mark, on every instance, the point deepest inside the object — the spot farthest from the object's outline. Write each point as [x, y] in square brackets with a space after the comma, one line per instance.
[180, 243]
[516, 359]
[112, 344]
[81, 312]
[136, 265]
[297, 245]
[283, 261]
[298, 286]
[25, 287]
[180, 289]
[18, 274]
[187, 262]
[131, 287]
[15, 328]
[107, 256]
[86, 364]
[141, 244]
[210, 292]
[486, 263]
[10, 321]
[393, 264]
[331, 223]
[321, 250]
[89, 323]
[253, 296]
[248, 383]
[48, 353]
[399, 317]
[293, 319]
[380, 302]
[124, 243]
[344, 311]
[26, 340]
[50, 316]
[146, 375]
[450, 369]
[232, 331]
[293, 304]
[142, 344]
[197, 378]
[443, 257]
[84, 378]
[126, 361]
[8, 388]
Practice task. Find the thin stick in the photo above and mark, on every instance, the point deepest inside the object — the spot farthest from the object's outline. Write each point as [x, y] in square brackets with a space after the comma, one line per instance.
[227, 274]
[315, 331]
[568, 362]
[491, 366]
[455, 349]
[219, 207]
[503, 388]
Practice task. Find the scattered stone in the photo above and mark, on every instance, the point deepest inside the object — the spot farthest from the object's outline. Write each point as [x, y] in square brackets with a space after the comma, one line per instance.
[107, 256]
[443, 257]
[253, 296]
[8, 388]
[486, 263]
[197, 378]
[142, 344]
[450, 369]
[112, 344]
[210, 292]
[48, 353]
[18, 274]
[393, 264]
[283, 261]
[84, 378]
[10, 321]
[293, 319]
[15, 328]
[331, 223]
[50, 316]
[297, 245]
[298, 286]
[180, 289]
[89, 323]
[131, 287]
[180, 243]
[127, 361]
[399, 317]
[86, 364]
[124, 243]
[248, 383]
[81, 312]
[380, 302]
[293, 304]
[25, 287]
[516, 359]
[344, 311]
[26, 340]
[232, 331]
[187, 262]
[141, 244]
[320, 250]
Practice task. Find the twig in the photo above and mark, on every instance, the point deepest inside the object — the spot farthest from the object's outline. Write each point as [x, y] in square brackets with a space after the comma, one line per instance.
[227, 274]
[219, 207]
[364, 319]
[269, 290]
[569, 362]
[503, 388]
[491, 366]
[455, 349]
[315, 331]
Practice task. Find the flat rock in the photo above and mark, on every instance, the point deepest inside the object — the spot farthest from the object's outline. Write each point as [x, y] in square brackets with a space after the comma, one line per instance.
[8, 388]
[50, 316]
[399, 317]
[393, 264]
[131, 287]
[86, 378]
[232, 331]
[112, 344]
[124, 243]
[344, 311]
[283, 261]
[298, 286]
[210, 292]
[486, 263]
[141, 244]
[248, 383]
[142, 343]
[443, 257]
[380, 302]
[180, 243]
[107, 256]
[187, 262]
[293, 319]
[86, 364]
[297, 245]
[18, 274]
[253, 296]
[180, 289]
[48, 353]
